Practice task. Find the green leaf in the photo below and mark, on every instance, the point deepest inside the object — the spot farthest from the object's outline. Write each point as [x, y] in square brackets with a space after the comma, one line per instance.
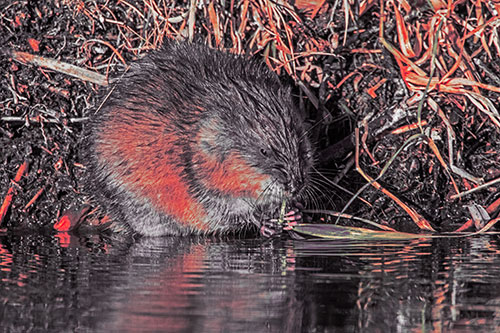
[332, 231]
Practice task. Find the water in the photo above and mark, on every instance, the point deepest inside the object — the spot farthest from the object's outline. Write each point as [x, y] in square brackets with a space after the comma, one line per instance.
[51, 283]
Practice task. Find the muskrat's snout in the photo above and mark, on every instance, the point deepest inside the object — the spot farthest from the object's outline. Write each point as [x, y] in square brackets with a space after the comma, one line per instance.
[294, 183]
[296, 186]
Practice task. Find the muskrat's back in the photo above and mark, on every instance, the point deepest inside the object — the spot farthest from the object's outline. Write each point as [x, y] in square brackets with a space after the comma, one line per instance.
[194, 140]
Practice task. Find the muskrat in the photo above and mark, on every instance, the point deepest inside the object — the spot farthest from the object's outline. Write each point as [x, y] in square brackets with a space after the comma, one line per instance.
[192, 140]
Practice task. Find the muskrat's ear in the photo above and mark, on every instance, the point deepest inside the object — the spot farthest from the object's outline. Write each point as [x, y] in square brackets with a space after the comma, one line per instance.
[206, 139]
[211, 140]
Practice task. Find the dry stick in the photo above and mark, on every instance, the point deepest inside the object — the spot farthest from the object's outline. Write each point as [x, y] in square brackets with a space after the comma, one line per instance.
[485, 185]
[38, 120]
[59, 66]
[192, 19]
[10, 192]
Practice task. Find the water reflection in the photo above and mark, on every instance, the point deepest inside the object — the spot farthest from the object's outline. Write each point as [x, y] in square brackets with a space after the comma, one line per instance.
[213, 285]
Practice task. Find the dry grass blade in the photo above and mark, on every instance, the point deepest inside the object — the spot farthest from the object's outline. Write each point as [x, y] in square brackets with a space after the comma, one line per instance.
[214, 19]
[485, 106]
[404, 41]
[436, 152]
[483, 186]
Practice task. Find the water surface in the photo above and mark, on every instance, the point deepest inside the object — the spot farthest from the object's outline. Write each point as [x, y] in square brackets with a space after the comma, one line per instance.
[56, 283]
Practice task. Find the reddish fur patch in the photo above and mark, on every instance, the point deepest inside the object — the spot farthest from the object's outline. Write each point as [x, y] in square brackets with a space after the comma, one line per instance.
[153, 165]
[234, 176]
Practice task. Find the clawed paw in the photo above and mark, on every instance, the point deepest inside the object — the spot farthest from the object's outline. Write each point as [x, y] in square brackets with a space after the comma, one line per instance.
[271, 227]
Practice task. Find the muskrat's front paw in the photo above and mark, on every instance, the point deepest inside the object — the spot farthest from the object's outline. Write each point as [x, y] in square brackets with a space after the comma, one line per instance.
[272, 227]
[292, 218]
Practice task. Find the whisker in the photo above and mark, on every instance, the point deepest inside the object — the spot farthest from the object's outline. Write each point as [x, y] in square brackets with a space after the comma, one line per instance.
[333, 183]
[323, 186]
[323, 195]
[266, 192]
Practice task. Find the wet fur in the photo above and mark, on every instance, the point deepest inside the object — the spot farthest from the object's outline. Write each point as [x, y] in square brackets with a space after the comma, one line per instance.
[177, 146]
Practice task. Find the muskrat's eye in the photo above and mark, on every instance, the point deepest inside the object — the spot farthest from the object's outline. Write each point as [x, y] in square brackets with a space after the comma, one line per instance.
[263, 152]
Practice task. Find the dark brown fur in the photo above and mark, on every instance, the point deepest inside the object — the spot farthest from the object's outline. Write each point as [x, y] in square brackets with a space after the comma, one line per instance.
[193, 140]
